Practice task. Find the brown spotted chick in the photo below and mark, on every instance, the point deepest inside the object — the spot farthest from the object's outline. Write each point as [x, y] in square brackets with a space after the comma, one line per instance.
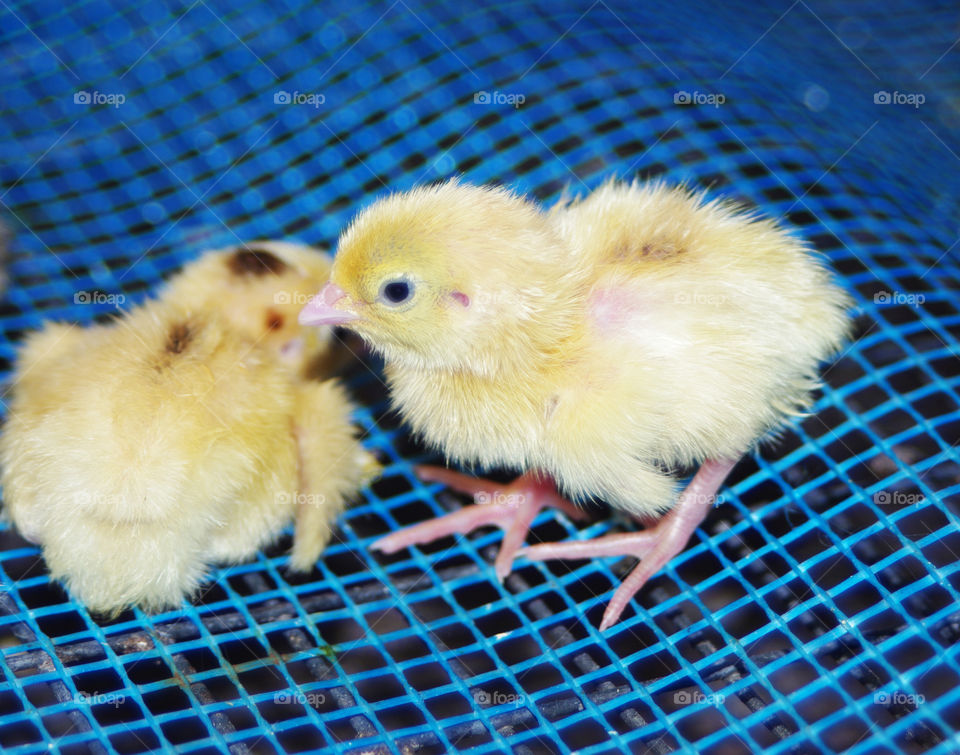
[180, 435]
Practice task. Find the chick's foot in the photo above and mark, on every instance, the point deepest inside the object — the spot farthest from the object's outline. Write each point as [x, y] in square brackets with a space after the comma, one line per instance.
[655, 546]
[511, 507]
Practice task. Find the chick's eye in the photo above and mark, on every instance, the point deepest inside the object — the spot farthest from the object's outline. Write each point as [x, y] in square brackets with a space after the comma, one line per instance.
[396, 291]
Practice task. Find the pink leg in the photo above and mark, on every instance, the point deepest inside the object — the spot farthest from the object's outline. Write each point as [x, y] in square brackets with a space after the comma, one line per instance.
[654, 546]
[511, 507]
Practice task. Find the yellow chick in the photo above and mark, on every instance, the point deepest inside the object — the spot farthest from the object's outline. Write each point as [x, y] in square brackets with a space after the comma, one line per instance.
[180, 435]
[598, 347]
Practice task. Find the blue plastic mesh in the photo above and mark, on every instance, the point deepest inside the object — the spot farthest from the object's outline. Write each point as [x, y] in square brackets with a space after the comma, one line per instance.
[816, 610]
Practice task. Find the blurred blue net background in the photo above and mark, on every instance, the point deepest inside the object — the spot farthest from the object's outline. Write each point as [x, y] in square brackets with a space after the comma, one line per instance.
[817, 610]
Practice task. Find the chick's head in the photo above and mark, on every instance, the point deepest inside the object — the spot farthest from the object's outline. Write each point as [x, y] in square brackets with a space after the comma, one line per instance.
[448, 276]
[259, 288]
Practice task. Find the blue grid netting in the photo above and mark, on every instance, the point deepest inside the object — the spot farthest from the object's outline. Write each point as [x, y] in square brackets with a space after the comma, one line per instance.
[817, 609]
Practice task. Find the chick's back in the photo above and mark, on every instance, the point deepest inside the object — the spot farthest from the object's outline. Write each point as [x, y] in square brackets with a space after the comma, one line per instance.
[704, 324]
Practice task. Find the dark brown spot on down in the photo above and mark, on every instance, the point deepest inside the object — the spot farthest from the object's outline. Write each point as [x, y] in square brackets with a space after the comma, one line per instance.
[661, 251]
[629, 250]
[255, 261]
[178, 338]
[274, 320]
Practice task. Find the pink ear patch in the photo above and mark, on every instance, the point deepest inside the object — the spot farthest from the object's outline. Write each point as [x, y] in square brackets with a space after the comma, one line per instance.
[461, 297]
[613, 308]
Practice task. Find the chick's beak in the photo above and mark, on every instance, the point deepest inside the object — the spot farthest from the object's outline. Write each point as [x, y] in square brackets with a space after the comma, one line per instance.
[323, 308]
